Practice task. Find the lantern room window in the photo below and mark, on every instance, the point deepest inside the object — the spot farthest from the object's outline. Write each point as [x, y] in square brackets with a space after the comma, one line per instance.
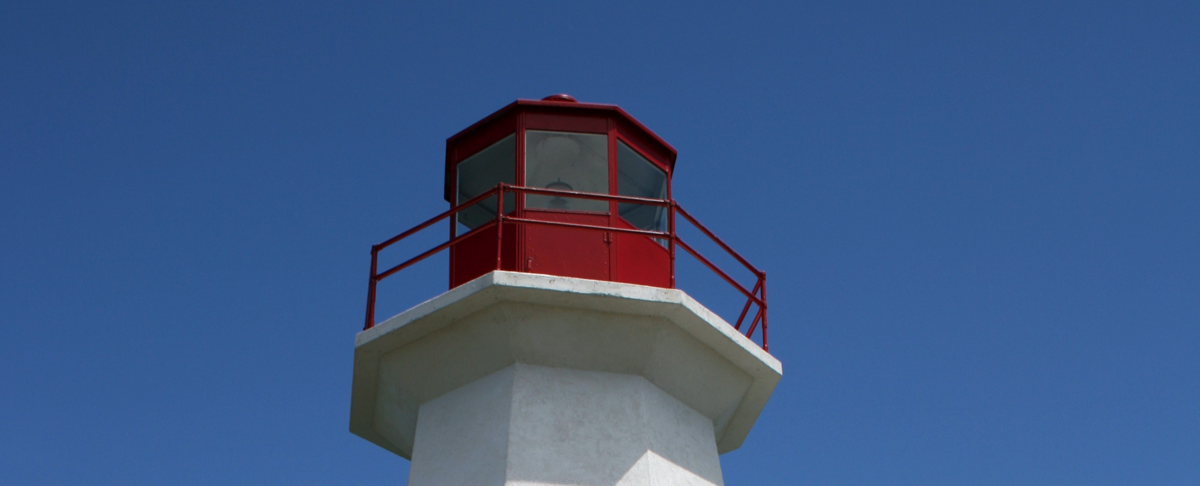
[569, 162]
[637, 177]
[480, 173]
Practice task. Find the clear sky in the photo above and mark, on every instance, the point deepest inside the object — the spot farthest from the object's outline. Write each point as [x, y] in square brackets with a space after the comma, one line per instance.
[979, 222]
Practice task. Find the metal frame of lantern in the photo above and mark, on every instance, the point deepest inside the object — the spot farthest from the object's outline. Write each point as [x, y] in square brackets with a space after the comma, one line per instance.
[755, 297]
[542, 249]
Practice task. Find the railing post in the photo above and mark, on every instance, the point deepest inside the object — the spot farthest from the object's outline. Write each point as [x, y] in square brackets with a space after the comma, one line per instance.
[450, 257]
[671, 223]
[763, 278]
[499, 222]
[371, 289]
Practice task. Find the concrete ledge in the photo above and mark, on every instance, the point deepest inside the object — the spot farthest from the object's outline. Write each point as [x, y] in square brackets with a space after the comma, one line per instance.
[504, 318]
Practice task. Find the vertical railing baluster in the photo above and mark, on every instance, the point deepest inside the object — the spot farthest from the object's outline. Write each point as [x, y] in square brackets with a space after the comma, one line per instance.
[499, 222]
[371, 289]
[671, 222]
[763, 278]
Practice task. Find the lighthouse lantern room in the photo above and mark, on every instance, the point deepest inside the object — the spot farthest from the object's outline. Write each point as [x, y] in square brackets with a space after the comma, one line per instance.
[554, 147]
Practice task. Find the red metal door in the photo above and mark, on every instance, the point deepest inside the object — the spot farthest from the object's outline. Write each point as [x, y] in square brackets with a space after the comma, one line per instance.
[569, 252]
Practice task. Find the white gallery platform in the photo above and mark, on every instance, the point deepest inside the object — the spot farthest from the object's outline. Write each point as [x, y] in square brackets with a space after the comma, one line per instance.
[526, 379]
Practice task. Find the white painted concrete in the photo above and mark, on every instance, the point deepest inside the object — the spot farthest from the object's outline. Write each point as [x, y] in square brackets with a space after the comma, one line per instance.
[462, 436]
[570, 354]
[533, 425]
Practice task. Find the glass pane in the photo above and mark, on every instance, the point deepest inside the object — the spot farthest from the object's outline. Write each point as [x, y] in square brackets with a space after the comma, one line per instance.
[566, 161]
[637, 177]
[480, 173]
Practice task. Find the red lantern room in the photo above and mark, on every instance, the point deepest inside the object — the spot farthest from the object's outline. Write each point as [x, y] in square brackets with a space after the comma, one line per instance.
[550, 151]
[571, 189]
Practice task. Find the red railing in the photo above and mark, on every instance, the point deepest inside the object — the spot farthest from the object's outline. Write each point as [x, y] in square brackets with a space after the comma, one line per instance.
[756, 297]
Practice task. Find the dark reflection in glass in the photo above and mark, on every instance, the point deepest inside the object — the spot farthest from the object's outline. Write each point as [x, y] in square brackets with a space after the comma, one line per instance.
[637, 177]
[480, 173]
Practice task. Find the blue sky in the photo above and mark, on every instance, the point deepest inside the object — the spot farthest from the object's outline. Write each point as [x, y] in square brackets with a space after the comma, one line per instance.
[979, 223]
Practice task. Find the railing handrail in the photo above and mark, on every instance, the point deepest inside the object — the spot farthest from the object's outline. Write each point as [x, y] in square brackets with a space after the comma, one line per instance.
[756, 296]
[718, 241]
[587, 195]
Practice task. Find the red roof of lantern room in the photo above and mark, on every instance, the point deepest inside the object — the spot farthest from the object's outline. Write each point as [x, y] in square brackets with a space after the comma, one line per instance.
[561, 105]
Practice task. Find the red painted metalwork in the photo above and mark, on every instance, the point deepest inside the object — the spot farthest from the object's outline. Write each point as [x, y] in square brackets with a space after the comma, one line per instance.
[554, 115]
[582, 240]
[756, 297]
[641, 260]
[562, 97]
[609, 256]
[567, 244]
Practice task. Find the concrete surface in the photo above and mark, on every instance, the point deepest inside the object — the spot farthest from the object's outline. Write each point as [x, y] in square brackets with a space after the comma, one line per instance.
[469, 364]
[533, 425]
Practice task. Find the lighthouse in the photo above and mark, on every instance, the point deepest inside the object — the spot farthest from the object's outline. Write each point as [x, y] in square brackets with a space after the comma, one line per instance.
[562, 353]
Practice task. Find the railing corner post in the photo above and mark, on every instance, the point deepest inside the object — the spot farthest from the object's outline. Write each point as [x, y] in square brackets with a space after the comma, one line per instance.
[370, 319]
[763, 279]
[499, 223]
[674, 236]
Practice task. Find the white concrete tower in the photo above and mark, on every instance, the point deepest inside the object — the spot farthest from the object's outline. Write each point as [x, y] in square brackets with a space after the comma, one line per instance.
[518, 377]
